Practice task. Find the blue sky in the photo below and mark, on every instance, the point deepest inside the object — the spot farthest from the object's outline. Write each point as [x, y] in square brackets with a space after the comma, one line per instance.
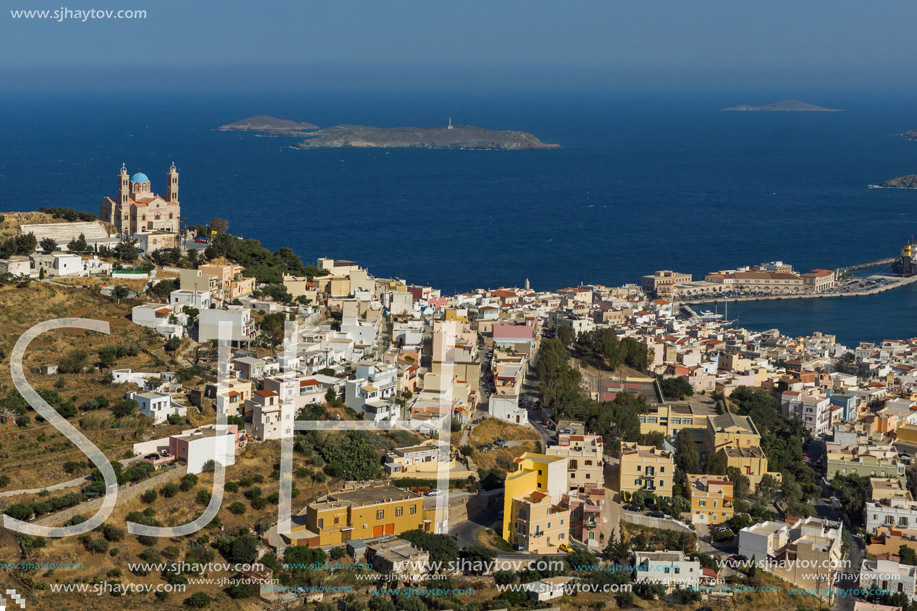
[585, 42]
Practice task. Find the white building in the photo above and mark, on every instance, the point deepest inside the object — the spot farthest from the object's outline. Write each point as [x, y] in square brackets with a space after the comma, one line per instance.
[763, 541]
[242, 328]
[361, 331]
[199, 300]
[56, 264]
[547, 589]
[884, 573]
[93, 266]
[671, 569]
[814, 411]
[424, 457]
[157, 404]
[271, 417]
[17, 265]
[894, 512]
[161, 318]
[370, 381]
[506, 407]
[197, 446]
[380, 410]
[401, 303]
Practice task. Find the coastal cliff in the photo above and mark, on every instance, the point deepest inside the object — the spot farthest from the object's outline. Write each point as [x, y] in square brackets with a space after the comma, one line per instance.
[902, 182]
[268, 126]
[454, 137]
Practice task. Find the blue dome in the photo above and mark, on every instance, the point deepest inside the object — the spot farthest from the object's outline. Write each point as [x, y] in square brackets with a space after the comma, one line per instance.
[139, 177]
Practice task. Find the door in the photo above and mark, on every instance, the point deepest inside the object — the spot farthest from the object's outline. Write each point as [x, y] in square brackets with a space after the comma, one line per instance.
[377, 531]
[390, 529]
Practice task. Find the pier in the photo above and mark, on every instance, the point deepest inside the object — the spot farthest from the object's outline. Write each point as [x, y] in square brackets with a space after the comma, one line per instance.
[853, 268]
[891, 282]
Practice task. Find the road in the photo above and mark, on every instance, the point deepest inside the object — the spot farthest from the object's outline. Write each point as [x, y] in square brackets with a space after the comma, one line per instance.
[850, 574]
[466, 533]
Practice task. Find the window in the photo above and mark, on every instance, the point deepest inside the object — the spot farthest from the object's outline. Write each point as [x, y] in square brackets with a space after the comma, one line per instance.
[639, 468]
[337, 519]
[662, 469]
[399, 511]
[412, 509]
[321, 522]
[380, 514]
[702, 503]
[661, 483]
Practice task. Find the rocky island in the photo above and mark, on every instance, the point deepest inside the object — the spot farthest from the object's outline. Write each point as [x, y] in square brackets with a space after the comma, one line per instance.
[268, 126]
[910, 135]
[449, 137]
[902, 182]
[786, 106]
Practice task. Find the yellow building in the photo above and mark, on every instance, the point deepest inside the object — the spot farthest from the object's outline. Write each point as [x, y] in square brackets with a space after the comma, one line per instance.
[751, 462]
[534, 473]
[645, 468]
[731, 431]
[711, 499]
[537, 524]
[669, 419]
[361, 513]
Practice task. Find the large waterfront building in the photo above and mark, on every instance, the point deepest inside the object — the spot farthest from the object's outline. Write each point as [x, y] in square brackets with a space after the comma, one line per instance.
[662, 283]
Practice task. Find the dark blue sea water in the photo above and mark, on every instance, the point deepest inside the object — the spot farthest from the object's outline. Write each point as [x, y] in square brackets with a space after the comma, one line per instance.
[641, 183]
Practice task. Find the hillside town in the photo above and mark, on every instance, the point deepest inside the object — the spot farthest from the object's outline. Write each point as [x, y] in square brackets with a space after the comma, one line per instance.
[656, 453]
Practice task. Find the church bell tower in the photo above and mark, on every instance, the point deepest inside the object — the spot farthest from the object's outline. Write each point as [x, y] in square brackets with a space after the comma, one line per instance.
[124, 186]
[172, 182]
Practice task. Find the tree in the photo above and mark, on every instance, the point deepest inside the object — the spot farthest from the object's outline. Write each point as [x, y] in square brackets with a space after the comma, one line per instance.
[124, 407]
[48, 245]
[75, 362]
[219, 225]
[740, 481]
[566, 334]
[120, 292]
[198, 600]
[687, 459]
[126, 250]
[172, 344]
[78, 245]
[676, 389]
[442, 548]
[272, 328]
[715, 463]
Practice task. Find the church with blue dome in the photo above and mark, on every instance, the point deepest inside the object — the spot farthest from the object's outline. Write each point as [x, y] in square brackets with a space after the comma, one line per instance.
[138, 213]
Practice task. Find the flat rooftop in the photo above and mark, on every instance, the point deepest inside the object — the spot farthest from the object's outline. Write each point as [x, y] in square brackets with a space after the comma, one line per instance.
[371, 495]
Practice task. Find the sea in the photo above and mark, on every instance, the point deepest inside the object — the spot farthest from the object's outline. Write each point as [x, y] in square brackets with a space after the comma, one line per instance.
[642, 182]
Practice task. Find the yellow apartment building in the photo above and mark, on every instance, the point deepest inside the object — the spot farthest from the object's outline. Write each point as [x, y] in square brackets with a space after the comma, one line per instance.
[669, 419]
[585, 456]
[361, 513]
[751, 462]
[645, 468]
[711, 499]
[534, 473]
[731, 431]
[537, 525]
